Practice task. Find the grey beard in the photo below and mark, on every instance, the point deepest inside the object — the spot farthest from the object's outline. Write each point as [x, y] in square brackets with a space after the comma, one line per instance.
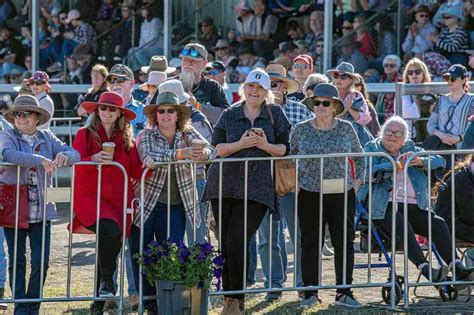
[187, 79]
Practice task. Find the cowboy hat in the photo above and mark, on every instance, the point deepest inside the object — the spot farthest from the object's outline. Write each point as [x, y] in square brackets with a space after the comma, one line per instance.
[158, 63]
[166, 98]
[110, 99]
[278, 73]
[154, 78]
[344, 68]
[27, 103]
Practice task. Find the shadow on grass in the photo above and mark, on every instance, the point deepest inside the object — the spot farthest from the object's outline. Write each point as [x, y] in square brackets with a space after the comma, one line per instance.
[83, 259]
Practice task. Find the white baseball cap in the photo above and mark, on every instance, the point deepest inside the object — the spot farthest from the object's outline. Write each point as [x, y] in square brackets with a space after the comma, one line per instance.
[259, 76]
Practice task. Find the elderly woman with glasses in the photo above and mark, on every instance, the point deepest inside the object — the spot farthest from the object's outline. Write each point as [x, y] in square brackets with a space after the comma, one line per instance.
[394, 140]
[326, 134]
[38, 153]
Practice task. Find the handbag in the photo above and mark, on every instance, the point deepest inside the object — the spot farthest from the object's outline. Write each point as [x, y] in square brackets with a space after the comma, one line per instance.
[8, 206]
[284, 170]
[333, 186]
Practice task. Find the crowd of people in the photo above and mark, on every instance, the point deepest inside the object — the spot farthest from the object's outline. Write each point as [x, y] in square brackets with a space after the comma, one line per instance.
[185, 114]
[183, 110]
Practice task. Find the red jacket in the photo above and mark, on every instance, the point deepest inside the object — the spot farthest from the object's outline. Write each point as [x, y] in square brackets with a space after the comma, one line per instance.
[85, 184]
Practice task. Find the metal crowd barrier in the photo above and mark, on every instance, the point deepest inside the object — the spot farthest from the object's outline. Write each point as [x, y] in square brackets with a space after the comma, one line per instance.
[66, 194]
[65, 127]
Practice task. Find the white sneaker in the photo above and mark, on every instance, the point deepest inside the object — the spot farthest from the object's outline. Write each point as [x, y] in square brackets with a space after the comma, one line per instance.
[310, 302]
[327, 252]
[347, 300]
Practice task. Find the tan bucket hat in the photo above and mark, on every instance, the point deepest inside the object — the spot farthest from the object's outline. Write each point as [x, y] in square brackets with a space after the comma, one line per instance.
[277, 72]
[27, 103]
[158, 63]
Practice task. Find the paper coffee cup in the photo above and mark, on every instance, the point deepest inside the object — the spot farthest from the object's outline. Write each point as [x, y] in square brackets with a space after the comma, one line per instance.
[109, 147]
[198, 144]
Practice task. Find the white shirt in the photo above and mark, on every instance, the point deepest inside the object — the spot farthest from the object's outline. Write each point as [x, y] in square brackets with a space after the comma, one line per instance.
[46, 102]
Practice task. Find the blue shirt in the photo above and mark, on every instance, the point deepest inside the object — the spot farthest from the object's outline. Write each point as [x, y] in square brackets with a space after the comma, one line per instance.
[139, 122]
[4, 125]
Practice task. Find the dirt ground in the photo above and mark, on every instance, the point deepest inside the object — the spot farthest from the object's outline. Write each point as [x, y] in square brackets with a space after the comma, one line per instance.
[82, 271]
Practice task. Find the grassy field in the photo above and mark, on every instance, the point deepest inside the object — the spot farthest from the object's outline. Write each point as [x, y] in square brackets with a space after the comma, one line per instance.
[83, 260]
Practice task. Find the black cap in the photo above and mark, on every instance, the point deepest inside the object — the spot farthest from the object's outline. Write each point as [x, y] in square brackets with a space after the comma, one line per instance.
[121, 70]
[215, 65]
[288, 46]
[457, 71]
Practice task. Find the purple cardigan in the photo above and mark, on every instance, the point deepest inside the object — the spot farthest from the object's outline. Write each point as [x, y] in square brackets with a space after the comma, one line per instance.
[16, 150]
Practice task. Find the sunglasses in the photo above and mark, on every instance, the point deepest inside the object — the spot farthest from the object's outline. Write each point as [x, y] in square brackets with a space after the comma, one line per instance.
[317, 103]
[163, 111]
[107, 108]
[213, 72]
[338, 76]
[275, 84]
[453, 79]
[319, 46]
[190, 53]
[300, 66]
[389, 65]
[424, 15]
[398, 134]
[220, 48]
[22, 114]
[119, 80]
[412, 72]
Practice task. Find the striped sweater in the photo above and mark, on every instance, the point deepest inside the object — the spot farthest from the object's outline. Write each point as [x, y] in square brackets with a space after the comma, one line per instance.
[452, 42]
[451, 117]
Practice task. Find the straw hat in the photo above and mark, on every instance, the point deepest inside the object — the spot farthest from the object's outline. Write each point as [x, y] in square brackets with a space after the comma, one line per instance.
[111, 99]
[278, 73]
[27, 103]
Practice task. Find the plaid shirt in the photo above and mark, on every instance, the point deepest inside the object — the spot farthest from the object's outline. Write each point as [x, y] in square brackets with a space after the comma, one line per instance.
[296, 112]
[85, 34]
[151, 143]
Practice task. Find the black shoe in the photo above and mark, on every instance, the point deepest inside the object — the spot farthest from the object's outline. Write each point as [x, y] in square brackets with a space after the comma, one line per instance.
[107, 288]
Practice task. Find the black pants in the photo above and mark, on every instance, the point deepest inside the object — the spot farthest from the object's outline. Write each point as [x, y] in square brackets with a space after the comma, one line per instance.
[109, 248]
[232, 243]
[311, 244]
[418, 224]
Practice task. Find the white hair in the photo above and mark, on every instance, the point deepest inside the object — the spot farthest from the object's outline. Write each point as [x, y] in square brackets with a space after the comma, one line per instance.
[395, 58]
[398, 120]
[314, 78]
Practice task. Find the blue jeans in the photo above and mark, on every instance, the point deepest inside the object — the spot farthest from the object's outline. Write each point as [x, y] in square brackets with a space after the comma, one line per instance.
[287, 209]
[201, 207]
[155, 228]
[34, 232]
[67, 49]
[132, 288]
[3, 260]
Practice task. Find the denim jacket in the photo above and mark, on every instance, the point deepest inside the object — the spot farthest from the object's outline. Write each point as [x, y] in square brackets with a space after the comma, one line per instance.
[17, 151]
[381, 189]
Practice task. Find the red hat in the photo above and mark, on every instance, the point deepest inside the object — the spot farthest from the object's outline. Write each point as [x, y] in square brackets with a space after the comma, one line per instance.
[111, 99]
[306, 58]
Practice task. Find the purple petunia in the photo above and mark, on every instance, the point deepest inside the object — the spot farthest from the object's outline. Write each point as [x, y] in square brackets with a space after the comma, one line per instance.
[183, 254]
[153, 243]
[218, 261]
[149, 260]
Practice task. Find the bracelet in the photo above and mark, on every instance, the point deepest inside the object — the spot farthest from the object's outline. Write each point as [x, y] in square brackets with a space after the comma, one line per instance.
[179, 154]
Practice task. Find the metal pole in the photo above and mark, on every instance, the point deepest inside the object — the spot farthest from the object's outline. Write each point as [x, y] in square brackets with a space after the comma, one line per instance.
[35, 13]
[328, 22]
[399, 26]
[167, 29]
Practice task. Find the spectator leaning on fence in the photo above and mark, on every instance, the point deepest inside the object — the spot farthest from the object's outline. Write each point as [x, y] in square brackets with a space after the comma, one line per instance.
[395, 142]
[40, 87]
[449, 118]
[208, 95]
[326, 134]
[38, 153]
[110, 126]
[252, 128]
[169, 137]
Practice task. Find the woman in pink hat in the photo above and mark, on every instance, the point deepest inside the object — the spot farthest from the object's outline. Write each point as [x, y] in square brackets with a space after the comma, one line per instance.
[110, 123]
[39, 85]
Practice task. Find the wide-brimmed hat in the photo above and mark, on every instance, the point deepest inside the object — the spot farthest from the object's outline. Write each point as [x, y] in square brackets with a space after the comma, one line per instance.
[221, 43]
[329, 91]
[111, 99]
[278, 73]
[344, 68]
[166, 98]
[158, 63]
[27, 103]
[154, 78]
[176, 87]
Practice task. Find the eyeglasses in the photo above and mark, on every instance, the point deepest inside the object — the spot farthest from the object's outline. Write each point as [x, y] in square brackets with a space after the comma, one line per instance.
[275, 84]
[398, 134]
[190, 52]
[338, 76]
[119, 80]
[107, 108]
[453, 79]
[300, 66]
[317, 103]
[412, 72]
[163, 111]
[37, 83]
[389, 65]
[22, 114]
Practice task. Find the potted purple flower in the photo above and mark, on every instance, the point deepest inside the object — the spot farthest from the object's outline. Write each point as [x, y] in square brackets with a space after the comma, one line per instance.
[182, 275]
